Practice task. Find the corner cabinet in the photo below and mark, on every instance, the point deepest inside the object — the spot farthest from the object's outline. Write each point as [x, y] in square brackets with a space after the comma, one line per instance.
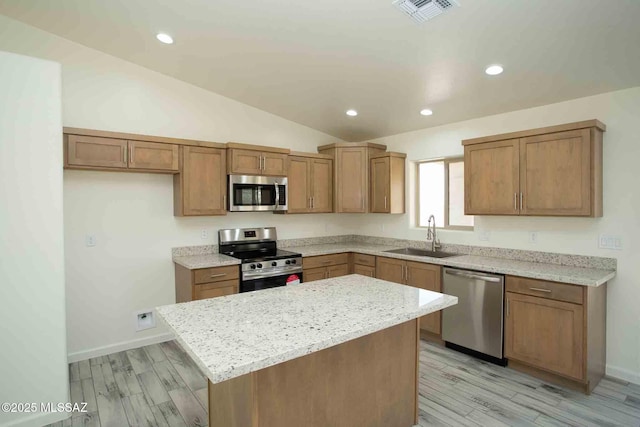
[200, 187]
[310, 183]
[203, 283]
[556, 329]
[351, 174]
[245, 159]
[387, 187]
[555, 171]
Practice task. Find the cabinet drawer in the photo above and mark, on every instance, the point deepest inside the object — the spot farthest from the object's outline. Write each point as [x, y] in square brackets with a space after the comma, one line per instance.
[362, 259]
[364, 270]
[543, 289]
[217, 274]
[325, 260]
[313, 274]
[218, 289]
[337, 270]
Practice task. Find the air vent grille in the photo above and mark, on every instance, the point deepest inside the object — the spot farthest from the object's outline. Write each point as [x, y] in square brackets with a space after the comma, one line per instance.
[423, 10]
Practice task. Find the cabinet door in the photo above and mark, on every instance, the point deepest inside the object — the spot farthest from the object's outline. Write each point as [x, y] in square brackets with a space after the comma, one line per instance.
[545, 333]
[321, 185]
[337, 270]
[200, 188]
[429, 277]
[274, 164]
[364, 270]
[245, 162]
[390, 269]
[491, 178]
[311, 274]
[555, 174]
[299, 185]
[380, 188]
[351, 180]
[213, 290]
[152, 155]
[94, 151]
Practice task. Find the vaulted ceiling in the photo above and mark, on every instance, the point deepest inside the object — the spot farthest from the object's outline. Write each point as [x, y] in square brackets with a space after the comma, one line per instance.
[309, 62]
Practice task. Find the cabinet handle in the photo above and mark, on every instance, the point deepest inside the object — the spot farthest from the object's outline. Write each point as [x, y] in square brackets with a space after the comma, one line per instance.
[407, 267]
[541, 290]
[213, 276]
[507, 307]
[309, 203]
[124, 154]
[520, 201]
[385, 203]
[224, 202]
[515, 201]
[326, 274]
[313, 203]
[131, 154]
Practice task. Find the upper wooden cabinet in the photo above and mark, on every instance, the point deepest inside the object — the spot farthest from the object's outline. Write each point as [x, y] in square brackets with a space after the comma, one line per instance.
[387, 183]
[555, 171]
[244, 159]
[351, 174]
[154, 156]
[310, 183]
[200, 187]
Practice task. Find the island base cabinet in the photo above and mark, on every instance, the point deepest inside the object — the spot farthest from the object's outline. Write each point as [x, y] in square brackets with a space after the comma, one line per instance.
[370, 381]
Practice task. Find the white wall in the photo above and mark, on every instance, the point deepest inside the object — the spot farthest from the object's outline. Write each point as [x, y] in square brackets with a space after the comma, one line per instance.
[131, 215]
[33, 359]
[620, 112]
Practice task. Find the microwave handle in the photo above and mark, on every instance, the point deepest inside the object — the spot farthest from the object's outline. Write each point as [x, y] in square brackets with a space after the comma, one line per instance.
[277, 194]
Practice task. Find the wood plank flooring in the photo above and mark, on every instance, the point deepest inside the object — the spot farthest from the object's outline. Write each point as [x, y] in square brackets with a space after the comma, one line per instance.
[159, 385]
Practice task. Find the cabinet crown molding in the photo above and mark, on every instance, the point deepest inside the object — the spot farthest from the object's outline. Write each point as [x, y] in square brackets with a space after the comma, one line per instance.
[352, 145]
[137, 137]
[531, 132]
[243, 146]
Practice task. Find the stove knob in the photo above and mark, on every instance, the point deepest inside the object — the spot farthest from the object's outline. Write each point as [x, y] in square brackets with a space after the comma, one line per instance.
[288, 261]
[252, 266]
[293, 261]
[259, 265]
[273, 264]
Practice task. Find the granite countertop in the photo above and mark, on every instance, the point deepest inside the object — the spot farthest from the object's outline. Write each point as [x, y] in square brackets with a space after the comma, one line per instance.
[205, 261]
[234, 335]
[535, 270]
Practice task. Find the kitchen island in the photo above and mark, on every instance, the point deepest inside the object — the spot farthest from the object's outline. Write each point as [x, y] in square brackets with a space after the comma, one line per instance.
[335, 352]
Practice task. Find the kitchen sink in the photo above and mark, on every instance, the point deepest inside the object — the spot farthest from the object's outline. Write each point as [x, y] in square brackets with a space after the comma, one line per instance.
[422, 252]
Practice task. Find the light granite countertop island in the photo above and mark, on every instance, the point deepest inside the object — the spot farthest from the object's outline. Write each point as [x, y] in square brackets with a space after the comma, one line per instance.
[332, 339]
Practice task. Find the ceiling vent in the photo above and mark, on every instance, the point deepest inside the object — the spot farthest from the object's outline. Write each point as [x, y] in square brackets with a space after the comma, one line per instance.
[423, 10]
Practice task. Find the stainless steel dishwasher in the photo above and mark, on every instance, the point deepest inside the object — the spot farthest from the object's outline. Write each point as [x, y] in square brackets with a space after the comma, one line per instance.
[475, 324]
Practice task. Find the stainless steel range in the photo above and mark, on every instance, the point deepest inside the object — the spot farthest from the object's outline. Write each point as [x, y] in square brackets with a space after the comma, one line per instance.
[263, 264]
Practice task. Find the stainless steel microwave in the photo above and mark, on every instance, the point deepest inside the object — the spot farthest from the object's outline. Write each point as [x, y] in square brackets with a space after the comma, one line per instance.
[249, 193]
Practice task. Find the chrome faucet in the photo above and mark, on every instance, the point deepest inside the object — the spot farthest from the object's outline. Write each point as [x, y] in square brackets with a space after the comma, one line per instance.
[431, 234]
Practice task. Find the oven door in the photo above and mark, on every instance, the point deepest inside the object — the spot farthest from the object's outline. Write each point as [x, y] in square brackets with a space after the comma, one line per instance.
[257, 193]
[270, 282]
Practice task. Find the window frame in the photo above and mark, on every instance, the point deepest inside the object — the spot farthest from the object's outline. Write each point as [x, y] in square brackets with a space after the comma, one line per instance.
[446, 161]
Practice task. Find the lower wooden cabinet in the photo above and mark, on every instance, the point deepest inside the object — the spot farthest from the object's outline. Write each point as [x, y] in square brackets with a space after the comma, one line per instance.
[201, 186]
[556, 328]
[205, 283]
[325, 267]
[419, 275]
[364, 270]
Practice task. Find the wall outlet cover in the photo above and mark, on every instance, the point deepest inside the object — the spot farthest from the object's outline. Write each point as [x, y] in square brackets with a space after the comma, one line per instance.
[204, 234]
[90, 240]
[533, 237]
[609, 241]
[144, 319]
[484, 236]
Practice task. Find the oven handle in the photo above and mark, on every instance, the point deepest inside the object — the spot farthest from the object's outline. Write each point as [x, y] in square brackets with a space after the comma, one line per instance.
[248, 276]
[277, 194]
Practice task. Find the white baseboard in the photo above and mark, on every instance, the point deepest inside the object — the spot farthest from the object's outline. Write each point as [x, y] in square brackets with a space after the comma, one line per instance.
[623, 374]
[121, 346]
[38, 419]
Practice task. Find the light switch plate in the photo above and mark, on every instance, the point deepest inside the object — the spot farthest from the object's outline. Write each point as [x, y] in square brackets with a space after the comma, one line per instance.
[609, 241]
[90, 240]
[533, 237]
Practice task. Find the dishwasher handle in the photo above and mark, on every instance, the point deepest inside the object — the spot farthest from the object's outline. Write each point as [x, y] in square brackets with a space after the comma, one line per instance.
[471, 275]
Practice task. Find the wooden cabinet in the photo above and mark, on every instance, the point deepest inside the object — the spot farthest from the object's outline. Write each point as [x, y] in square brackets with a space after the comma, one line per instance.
[554, 171]
[419, 275]
[204, 283]
[325, 267]
[200, 187]
[556, 329]
[310, 183]
[91, 152]
[364, 265]
[351, 174]
[244, 159]
[387, 183]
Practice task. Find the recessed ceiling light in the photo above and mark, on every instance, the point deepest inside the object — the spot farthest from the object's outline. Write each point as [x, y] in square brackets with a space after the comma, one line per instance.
[352, 113]
[426, 112]
[165, 38]
[494, 70]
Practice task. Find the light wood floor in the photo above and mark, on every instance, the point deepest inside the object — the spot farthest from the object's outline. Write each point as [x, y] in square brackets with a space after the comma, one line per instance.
[159, 385]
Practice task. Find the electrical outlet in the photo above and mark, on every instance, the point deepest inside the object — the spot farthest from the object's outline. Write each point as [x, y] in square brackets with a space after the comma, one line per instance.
[90, 240]
[381, 227]
[608, 241]
[484, 236]
[533, 237]
[144, 320]
[204, 234]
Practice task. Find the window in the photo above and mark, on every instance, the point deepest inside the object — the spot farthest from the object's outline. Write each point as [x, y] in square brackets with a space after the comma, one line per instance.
[441, 194]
